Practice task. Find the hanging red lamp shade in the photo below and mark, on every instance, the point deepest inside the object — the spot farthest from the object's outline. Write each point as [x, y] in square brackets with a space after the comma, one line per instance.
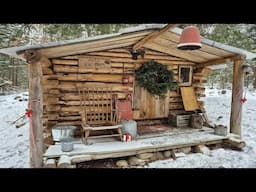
[190, 39]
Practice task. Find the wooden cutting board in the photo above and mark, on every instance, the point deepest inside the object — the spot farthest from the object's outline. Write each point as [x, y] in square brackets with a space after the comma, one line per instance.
[189, 98]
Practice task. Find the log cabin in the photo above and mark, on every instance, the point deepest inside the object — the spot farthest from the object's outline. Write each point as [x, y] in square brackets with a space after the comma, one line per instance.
[58, 70]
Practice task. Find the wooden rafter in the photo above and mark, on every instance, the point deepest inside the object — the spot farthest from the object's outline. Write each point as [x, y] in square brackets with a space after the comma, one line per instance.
[218, 61]
[152, 36]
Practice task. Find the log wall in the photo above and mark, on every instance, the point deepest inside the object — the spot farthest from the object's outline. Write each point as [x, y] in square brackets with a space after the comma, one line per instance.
[64, 75]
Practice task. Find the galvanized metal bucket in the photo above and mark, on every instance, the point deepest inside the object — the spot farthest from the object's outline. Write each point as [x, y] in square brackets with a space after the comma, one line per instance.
[67, 144]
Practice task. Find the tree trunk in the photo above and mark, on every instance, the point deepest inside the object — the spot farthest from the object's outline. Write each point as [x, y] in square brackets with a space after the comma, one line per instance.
[254, 77]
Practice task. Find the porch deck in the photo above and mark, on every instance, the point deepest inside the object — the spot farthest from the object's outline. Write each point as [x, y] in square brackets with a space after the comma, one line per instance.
[111, 148]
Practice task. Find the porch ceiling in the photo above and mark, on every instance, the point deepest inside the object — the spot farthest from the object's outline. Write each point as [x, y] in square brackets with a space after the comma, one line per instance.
[165, 41]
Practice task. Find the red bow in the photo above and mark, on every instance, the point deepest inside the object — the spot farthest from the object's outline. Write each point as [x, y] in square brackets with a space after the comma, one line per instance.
[243, 100]
[28, 112]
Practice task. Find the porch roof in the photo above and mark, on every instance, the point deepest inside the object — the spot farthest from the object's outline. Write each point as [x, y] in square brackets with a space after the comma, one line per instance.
[149, 36]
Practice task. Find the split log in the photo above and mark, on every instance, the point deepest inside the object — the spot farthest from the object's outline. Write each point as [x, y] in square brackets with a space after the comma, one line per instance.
[80, 158]
[236, 143]
[202, 149]
[50, 163]
[64, 162]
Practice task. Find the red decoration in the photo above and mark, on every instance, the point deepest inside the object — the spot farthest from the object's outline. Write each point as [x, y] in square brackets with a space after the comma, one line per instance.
[124, 109]
[28, 112]
[125, 79]
[127, 137]
[190, 39]
[243, 100]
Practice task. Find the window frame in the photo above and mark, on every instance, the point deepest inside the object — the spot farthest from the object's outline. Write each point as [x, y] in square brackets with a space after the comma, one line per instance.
[189, 83]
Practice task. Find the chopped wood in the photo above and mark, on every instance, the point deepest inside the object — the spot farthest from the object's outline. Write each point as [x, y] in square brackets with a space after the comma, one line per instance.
[50, 163]
[80, 158]
[64, 162]
[237, 143]
[203, 149]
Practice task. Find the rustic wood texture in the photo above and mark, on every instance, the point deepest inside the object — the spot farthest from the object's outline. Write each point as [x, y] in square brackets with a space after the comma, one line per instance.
[153, 35]
[237, 94]
[36, 105]
[189, 98]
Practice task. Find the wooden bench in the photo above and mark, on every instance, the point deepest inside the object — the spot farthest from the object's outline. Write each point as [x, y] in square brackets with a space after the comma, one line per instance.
[98, 112]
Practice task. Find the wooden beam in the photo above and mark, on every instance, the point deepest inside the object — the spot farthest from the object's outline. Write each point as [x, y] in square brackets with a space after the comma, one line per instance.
[36, 105]
[152, 36]
[237, 94]
[218, 61]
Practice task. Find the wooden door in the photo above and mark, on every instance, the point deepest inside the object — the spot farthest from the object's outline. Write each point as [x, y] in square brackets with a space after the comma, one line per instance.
[150, 106]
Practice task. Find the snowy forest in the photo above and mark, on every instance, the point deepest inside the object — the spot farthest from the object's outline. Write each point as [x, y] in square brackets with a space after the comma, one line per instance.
[13, 72]
[15, 126]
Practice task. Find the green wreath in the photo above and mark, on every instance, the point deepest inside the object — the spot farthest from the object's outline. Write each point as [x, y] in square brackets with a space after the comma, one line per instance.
[155, 78]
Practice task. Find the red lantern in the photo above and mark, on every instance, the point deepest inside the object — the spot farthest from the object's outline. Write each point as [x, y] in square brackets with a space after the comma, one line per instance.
[190, 39]
[125, 79]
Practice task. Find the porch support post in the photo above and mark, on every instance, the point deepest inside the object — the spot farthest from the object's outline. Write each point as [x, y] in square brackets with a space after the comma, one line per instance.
[36, 105]
[237, 94]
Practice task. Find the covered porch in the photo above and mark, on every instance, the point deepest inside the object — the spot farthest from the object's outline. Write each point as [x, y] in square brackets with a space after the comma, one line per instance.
[172, 140]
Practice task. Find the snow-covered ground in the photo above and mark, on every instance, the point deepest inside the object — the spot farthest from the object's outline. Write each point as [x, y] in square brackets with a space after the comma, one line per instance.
[218, 111]
[14, 142]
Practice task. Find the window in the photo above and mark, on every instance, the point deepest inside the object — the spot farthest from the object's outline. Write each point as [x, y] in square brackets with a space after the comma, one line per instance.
[185, 75]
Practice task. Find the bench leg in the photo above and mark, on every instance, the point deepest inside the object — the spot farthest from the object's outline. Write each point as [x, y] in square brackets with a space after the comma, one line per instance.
[119, 130]
[86, 134]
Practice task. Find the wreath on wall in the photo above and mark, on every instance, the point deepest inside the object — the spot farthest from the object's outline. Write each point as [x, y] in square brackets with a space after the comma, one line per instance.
[155, 78]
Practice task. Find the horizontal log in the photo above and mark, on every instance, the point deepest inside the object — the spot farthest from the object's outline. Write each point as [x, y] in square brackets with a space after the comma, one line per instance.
[128, 55]
[75, 86]
[175, 99]
[77, 97]
[50, 100]
[53, 107]
[115, 78]
[76, 103]
[47, 71]
[46, 81]
[174, 94]
[130, 60]
[173, 106]
[76, 69]
[65, 61]
[205, 71]
[199, 78]
[68, 114]
[53, 116]
[70, 118]
[127, 50]
[73, 123]
[79, 108]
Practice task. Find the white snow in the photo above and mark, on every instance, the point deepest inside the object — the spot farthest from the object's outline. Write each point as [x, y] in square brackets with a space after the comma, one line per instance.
[218, 105]
[14, 142]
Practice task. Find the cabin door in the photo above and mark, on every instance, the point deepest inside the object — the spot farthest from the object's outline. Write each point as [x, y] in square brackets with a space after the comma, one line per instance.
[150, 106]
